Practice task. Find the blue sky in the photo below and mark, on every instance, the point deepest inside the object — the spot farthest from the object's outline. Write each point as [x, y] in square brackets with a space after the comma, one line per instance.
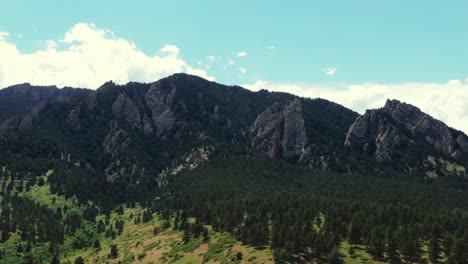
[354, 52]
[385, 41]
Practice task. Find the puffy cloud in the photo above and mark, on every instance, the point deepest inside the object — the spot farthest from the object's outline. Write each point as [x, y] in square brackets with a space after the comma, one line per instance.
[88, 56]
[170, 50]
[243, 70]
[444, 101]
[257, 86]
[242, 54]
[329, 71]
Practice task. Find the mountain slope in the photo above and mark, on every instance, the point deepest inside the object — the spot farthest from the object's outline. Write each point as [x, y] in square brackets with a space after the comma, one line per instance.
[184, 170]
[401, 133]
[127, 139]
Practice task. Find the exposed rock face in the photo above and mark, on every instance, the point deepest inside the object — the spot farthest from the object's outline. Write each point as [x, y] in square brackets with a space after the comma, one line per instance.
[434, 131]
[280, 131]
[160, 103]
[16, 124]
[382, 132]
[116, 141]
[375, 135]
[73, 119]
[124, 108]
[463, 143]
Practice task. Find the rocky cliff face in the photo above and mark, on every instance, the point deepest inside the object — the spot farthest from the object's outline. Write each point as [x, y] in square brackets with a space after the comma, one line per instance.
[376, 135]
[160, 102]
[124, 109]
[280, 131]
[435, 132]
[387, 134]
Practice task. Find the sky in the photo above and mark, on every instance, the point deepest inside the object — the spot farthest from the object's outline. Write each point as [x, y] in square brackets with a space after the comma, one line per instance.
[355, 52]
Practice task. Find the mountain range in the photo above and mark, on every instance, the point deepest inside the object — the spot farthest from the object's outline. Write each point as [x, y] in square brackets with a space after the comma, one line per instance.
[124, 129]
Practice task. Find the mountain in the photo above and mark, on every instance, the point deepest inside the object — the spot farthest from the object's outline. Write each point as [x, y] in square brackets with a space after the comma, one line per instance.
[137, 126]
[133, 132]
[184, 170]
[401, 133]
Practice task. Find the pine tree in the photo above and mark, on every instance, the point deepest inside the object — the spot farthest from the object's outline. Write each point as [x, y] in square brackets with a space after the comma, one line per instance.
[186, 237]
[114, 252]
[335, 257]
[97, 244]
[458, 253]
[391, 247]
[377, 243]
[55, 260]
[355, 234]
[79, 260]
[434, 249]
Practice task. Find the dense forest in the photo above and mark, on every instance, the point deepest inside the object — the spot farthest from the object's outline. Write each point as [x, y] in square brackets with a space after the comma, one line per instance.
[299, 213]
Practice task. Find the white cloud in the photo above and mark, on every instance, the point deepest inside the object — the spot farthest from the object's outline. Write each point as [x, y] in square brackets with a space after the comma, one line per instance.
[270, 48]
[444, 101]
[329, 71]
[242, 54]
[170, 50]
[257, 86]
[454, 82]
[230, 62]
[211, 58]
[88, 56]
[3, 35]
[243, 70]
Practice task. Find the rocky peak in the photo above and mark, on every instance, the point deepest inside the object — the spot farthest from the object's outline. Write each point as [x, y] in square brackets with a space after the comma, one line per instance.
[388, 133]
[280, 131]
[435, 132]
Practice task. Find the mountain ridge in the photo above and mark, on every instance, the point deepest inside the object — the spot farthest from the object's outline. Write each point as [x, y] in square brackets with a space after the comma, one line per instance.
[135, 124]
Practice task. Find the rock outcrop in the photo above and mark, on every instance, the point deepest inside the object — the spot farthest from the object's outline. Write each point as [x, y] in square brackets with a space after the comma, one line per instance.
[391, 131]
[376, 135]
[435, 132]
[160, 103]
[280, 131]
[124, 109]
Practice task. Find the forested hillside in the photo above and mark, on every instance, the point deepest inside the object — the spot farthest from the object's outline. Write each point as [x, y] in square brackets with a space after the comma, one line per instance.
[184, 170]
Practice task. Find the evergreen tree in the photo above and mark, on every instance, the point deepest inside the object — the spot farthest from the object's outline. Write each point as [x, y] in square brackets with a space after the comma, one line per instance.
[434, 249]
[377, 242]
[186, 237]
[55, 260]
[335, 257]
[114, 253]
[391, 246]
[79, 260]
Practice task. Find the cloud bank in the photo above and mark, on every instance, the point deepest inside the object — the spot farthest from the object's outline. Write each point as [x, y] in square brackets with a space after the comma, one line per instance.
[444, 101]
[87, 57]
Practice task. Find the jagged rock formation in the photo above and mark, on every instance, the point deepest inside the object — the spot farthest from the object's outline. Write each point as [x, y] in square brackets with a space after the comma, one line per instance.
[280, 131]
[124, 108]
[386, 134]
[160, 103]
